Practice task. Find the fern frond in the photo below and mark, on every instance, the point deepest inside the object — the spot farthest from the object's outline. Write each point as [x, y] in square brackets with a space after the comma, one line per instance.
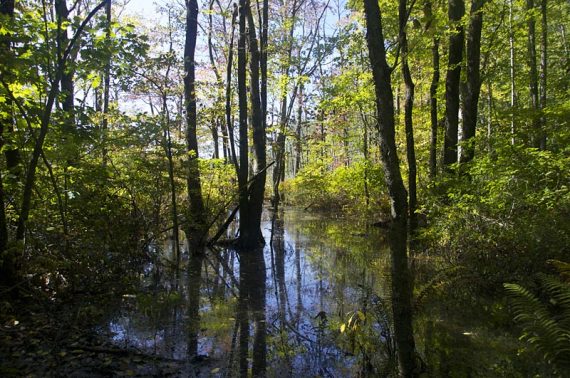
[548, 333]
[558, 291]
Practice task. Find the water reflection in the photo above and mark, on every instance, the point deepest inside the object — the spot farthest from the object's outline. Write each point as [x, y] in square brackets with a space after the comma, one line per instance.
[251, 312]
[274, 311]
[194, 282]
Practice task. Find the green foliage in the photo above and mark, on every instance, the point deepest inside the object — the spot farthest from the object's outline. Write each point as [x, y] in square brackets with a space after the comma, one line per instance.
[367, 333]
[545, 318]
[504, 214]
[341, 188]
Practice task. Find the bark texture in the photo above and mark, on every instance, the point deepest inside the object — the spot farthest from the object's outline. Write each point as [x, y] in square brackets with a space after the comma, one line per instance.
[472, 86]
[401, 284]
[250, 222]
[456, 10]
[533, 77]
[428, 12]
[196, 211]
[408, 114]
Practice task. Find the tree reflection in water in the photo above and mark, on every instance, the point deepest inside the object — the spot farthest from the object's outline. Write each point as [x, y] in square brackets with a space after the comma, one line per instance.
[273, 311]
[251, 312]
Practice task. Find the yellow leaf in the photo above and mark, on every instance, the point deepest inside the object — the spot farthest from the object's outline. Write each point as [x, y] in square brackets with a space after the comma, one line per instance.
[342, 328]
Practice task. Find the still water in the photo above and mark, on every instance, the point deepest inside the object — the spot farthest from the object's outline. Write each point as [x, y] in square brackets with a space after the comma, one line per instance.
[314, 302]
[295, 295]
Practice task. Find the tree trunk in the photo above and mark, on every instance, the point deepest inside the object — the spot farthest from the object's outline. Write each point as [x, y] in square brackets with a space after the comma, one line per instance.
[298, 130]
[543, 72]
[472, 80]
[243, 132]
[106, 87]
[215, 139]
[533, 76]
[7, 264]
[456, 11]
[229, 122]
[279, 170]
[512, 71]
[67, 85]
[428, 11]
[401, 284]
[7, 121]
[196, 217]
[167, 143]
[263, 60]
[215, 122]
[408, 109]
[250, 218]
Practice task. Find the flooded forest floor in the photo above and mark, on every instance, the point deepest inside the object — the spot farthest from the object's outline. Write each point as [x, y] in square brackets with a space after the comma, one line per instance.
[314, 302]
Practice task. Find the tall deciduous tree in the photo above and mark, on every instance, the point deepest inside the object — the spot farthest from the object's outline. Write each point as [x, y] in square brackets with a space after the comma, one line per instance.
[533, 74]
[430, 26]
[242, 104]
[408, 112]
[472, 84]
[250, 216]
[456, 10]
[6, 263]
[11, 153]
[195, 229]
[229, 120]
[401, 283]
[543, 71]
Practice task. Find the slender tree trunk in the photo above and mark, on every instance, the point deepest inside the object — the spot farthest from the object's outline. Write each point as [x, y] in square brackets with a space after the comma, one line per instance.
[489, 117]
[7, 264]
[215, 139]
[533, 76]
[280, 148]
[408, 120]
[428, 12]
[242, 99]
[11, 154]
[472, 80]
[215, 122]
[229, 122]
[433, 108]
[298, 130]
[401, 282]
[250, 219]
[263, 60]
[456, 11]
[512, 71]
[197, 213]
[67, 86]
[279, 169]
[543, 72]
[366, 157]
[167, 142]
[106, 87]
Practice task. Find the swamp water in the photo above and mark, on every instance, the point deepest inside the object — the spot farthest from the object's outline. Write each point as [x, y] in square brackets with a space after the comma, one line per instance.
[314, 303]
